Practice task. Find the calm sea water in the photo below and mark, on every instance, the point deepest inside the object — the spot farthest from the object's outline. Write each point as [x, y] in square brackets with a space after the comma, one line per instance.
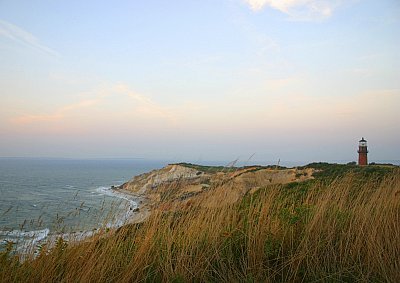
[39, 197]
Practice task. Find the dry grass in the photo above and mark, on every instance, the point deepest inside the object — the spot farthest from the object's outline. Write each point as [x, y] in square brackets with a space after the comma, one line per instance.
[343, 231]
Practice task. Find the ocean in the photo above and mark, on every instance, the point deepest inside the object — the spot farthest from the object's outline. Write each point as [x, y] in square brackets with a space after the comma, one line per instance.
[44, 197]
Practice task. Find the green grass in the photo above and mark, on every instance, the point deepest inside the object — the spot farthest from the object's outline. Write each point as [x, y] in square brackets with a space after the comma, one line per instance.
[331, 171]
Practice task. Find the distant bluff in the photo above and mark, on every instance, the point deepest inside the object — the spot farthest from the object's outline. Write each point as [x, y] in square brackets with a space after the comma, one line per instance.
[183, 181]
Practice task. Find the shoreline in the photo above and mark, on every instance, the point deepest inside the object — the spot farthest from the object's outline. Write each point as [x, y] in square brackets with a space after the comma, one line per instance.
[131, 214]
[135, 210]
[142, 210]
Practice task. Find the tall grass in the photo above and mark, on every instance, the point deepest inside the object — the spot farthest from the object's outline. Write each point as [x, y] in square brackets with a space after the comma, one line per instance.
[343, 231]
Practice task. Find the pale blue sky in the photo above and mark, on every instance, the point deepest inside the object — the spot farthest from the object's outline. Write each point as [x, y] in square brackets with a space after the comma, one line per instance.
[298, 80]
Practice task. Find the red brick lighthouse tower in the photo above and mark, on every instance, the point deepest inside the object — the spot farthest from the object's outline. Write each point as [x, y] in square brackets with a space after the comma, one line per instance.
[362, 152]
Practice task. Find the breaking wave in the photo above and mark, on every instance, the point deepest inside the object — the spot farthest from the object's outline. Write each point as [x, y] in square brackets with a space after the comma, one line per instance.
[30, 240]
[127, 210]
[24, 240]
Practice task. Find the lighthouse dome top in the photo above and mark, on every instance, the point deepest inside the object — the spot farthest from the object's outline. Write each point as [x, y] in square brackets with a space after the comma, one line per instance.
[362, 142]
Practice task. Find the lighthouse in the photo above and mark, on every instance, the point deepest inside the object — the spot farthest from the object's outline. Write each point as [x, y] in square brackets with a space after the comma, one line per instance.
[362, 152]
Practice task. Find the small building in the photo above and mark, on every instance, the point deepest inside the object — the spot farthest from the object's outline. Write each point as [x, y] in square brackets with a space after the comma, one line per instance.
[362, 152]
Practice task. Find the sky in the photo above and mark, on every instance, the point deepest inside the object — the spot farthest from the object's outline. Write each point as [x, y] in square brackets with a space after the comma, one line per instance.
[266, 80]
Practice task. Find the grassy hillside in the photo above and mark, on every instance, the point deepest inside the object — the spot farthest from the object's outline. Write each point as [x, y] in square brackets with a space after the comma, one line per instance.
[340, 229]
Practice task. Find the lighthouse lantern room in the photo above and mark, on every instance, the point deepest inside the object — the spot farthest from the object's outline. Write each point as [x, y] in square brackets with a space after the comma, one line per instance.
[362, 152]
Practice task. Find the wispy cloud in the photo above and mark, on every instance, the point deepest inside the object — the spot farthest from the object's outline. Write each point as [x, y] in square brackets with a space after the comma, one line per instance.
[298, 9]
[58, 114]
[20, 35]
[145, 105]
[136, 106]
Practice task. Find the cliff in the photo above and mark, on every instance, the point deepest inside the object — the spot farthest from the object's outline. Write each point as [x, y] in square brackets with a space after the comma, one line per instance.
[183, 182]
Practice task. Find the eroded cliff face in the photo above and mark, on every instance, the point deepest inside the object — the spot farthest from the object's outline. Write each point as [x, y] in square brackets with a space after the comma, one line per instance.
[146, 182]
[179, 183]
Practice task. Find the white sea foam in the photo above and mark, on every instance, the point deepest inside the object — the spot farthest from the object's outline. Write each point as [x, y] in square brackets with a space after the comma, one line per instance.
[113, 193]
[69, 187]
[126, 213]
[24, 240]
[71, 237]
[27, 241]
[39, 234]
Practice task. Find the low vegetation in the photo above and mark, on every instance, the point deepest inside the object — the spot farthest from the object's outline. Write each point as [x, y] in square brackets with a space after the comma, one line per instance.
[330, 171]
[345, 228]
[227, 169]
